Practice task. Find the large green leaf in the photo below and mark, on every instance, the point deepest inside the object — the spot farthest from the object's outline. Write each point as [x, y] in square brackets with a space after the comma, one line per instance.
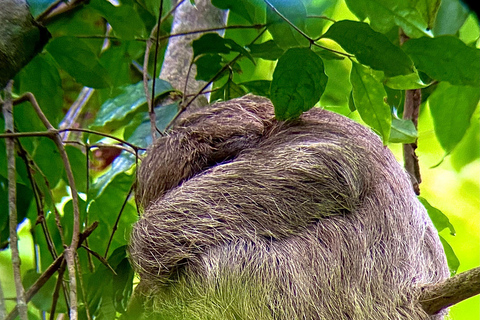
[130, 100]
[282, 32]
[452, 108]
[368, 96]
[446, 58]
[370, 47]
[298, 82]
[115, 15]
[78, 59]
[451, 16]
[386, 14]
[41, 78]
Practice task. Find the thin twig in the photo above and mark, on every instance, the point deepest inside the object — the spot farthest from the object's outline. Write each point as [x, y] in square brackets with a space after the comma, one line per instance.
[48, 273]
[100, 258]
[12, 201]
[151, 111]
[51, 133]
[115, 226]
[58, 285]
[69, 250]
[288, 21]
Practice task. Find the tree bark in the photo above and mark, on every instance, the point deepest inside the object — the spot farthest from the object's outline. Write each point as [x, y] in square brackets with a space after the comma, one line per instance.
[451, 291]
[179, 54]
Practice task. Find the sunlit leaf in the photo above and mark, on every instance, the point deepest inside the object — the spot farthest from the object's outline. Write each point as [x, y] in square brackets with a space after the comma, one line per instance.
[384, 15]
[298, 82]
[439, 219]
[446, 58]
[130, 100]
[403, 131]
[368, 95]
[371, 48]
[452, 260]
[452, 108]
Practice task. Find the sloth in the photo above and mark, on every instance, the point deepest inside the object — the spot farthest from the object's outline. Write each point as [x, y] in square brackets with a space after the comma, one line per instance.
[248, 217]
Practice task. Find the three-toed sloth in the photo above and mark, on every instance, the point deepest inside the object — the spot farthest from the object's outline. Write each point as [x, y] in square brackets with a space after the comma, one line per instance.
[247, 217]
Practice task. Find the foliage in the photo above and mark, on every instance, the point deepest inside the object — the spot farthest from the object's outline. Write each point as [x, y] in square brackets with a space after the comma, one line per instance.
[294, 53]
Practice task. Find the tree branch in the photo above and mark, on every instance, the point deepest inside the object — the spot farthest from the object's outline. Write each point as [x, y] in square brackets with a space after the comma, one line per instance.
[47, 274]
[12, 201]
[437, 297]
[70, 251]
[411, 109]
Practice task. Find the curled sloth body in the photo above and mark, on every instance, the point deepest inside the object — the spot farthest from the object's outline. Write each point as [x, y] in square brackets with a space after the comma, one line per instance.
[246, 217]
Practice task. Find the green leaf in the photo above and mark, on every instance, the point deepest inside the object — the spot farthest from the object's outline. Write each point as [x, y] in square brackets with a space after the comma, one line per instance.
[428, 10]
[405, 82]
[450, 18]
[452, 260]
[298, 83]
[439, 219]
[467, 150]
[282, 32]
[41, 78]
[48, 159]
[267, 50]
[370, 47]
[258, 87]
[244, 8]
[130, 100]
[212, 43]
[78, 162]
[384, 15]
[77, 58]
[139, 136]
[452, 108]
[115, 15]
[122, 285]
[446, 58]
[368, 95]
[208, 66]
[403, 131]
[229, 91]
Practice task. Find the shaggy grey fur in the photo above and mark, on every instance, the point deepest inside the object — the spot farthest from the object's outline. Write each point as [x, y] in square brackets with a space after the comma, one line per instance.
[246, 217]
